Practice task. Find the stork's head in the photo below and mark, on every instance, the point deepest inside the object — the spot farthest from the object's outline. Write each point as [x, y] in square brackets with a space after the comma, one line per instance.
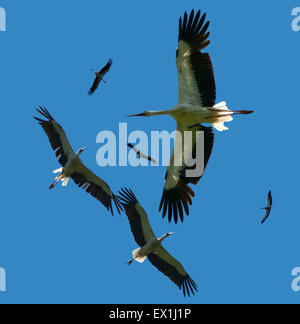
[165, 236]
[95, 72]
[149, 113]
[144, 114]
[80, 151]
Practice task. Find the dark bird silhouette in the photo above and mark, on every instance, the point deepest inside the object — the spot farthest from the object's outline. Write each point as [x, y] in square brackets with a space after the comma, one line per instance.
[99, 77]
[141, 155]
[268, 208]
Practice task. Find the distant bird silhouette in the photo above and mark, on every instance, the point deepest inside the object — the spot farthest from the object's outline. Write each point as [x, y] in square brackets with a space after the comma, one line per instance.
[72, 167]
[141, 155]
[268, 208]
[151, 246]
[99, 77]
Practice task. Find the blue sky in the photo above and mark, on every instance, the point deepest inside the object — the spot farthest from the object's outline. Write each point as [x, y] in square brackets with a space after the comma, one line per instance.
[62, 246]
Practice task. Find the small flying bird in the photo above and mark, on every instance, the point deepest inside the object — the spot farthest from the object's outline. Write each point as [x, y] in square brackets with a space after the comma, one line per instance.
[151, 247]
[141, 155]
[196, 105]
[99, 77]
[268, 208]
[72, 167]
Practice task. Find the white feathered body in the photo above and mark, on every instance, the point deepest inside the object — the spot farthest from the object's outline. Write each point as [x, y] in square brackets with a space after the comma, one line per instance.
[65, 173]
[141, 254]
[189, 115]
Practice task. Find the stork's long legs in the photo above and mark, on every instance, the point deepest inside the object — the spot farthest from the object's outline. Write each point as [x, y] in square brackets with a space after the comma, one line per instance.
[130, 261]
[57, 179]
[54, 184]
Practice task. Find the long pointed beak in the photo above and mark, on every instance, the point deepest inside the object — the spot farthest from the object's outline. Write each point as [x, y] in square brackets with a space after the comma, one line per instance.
[138, 115]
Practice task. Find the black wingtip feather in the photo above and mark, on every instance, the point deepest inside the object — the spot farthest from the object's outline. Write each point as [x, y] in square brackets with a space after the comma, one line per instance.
[189, 287]
[44, 112]
[193, 30]
[172, 201]
[183, 288]
[184, 282]
[52, 134]
[127, 197]
[118, 204]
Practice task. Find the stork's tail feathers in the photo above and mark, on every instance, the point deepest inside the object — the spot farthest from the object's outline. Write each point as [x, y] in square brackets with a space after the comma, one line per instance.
[58, 170]
[223, 114]
[137, 257]
[221, 105]
[60, 177]
[220, 126]
[65, 181]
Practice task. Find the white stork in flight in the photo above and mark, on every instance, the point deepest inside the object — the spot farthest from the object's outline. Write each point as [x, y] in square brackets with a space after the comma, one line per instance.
[197, 97]
[99, 76]
[72, 167]
[268, 208]
[151, 246]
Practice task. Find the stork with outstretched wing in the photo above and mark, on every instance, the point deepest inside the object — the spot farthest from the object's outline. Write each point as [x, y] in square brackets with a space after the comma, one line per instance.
[72, 166]
[151, 246]
[197, 105]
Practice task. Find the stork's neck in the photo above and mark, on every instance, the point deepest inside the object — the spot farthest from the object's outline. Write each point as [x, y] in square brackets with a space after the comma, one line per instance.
[157, 112]
[78, 154]
[164, 237]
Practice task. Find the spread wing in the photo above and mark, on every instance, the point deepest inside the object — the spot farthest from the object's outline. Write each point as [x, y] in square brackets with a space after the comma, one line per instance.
[57, 137]
[173, 269]
[270, 199]
[95, 85]
[177, 194]
[138, 219]
[95, 186]
[195, 71]
[106, 68]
